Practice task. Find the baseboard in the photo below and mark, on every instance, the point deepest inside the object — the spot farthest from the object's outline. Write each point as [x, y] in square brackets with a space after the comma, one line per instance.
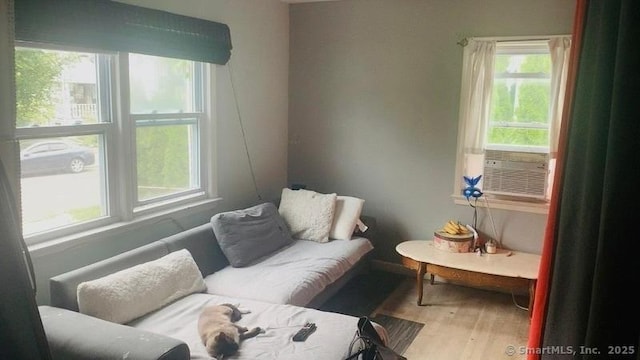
[391, 267]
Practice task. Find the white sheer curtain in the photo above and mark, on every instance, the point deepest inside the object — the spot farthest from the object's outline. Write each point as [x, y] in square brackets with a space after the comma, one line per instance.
[475, 100]
[559, 49]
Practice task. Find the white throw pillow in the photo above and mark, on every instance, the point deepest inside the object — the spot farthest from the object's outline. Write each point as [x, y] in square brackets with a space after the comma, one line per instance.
[308, 214]
[130, 293]
[347, 214]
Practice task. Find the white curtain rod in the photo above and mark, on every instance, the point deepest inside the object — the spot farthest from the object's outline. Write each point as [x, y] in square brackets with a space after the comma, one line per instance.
[465, 41]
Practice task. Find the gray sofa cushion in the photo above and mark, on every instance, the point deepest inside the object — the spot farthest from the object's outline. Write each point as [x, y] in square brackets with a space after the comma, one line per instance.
[248, 234]
[203, 246]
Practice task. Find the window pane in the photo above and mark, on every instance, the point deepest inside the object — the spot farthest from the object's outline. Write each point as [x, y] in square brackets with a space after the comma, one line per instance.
[167, 158]
[531, 63]
[58, 87]
[518, 136]
[161, 85]
[520, 101]
[535, 63]
[62, 182]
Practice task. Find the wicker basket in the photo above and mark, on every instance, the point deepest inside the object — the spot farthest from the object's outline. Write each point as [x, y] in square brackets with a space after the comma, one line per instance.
[453, 243]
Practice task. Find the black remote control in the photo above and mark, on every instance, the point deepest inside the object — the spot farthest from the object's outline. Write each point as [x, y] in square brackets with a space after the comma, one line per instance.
[304, 333]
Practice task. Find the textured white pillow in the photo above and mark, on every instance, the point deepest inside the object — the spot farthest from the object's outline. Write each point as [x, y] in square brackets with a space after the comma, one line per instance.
[347, 214]
[130, 293]
[308, 214]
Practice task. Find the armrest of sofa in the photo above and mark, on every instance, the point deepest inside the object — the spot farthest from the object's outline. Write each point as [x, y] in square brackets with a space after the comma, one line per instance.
[73, 336]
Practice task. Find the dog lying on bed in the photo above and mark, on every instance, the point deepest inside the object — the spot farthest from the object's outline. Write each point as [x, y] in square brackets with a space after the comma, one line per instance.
[219, 332]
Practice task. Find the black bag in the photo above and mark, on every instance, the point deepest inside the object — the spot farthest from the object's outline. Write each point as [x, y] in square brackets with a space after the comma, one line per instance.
[373, 348]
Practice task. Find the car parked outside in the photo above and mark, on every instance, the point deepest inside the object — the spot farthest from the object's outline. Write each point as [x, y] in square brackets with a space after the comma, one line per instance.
[54, 156]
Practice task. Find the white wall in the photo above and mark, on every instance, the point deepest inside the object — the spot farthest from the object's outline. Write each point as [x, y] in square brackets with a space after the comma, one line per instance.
[260, 62]
[373, 107]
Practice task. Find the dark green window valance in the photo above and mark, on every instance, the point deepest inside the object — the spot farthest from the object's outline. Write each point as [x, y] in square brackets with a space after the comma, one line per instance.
[113, 26]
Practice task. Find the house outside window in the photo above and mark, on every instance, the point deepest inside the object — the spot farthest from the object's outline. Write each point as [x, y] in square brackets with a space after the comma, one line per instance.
[107, 137]
[510, 113]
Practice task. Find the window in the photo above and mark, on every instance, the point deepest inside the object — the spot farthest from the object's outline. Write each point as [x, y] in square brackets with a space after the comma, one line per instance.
[107, 137]
[519, 110]
[166, 109]
[510, 111]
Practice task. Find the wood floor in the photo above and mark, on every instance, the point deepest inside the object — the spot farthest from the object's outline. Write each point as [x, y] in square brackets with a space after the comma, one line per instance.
[461, 322]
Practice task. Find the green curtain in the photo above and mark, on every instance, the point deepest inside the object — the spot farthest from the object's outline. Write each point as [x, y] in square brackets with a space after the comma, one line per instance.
[593, 306]
[113, 26]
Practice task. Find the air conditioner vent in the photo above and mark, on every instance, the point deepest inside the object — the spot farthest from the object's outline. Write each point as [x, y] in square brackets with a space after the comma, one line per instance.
[515, 173]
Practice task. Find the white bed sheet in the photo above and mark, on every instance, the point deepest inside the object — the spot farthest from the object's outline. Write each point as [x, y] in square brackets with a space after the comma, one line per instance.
[330, 341]
[292, 275]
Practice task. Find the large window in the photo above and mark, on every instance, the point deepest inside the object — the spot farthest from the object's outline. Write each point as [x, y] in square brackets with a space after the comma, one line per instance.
[105, 137]
[510, 113]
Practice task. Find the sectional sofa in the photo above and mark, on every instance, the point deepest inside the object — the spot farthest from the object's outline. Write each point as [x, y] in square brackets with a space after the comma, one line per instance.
[108, 310]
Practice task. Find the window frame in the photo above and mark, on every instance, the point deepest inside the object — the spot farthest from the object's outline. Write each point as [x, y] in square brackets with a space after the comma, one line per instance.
[522, 204]
[117, 135]
[156, 120]
[203, 124]
[522, 47]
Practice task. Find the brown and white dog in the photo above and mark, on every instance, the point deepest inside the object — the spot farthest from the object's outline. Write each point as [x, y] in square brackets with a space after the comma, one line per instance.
[219, 332]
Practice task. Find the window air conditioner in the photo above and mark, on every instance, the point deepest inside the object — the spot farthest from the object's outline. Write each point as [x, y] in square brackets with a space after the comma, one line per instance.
[516, 173]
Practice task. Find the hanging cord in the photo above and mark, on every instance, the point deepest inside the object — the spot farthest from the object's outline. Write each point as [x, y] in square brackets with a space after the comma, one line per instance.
[493, 225]
[355, 339]
[244, 136]
[475, 223]
[475, 212]
[513, 297]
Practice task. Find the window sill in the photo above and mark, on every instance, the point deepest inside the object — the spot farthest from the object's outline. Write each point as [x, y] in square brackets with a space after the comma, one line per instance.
[506, 204]
[66, 242]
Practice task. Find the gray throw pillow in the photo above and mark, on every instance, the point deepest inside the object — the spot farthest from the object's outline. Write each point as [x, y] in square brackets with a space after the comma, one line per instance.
[248, 234]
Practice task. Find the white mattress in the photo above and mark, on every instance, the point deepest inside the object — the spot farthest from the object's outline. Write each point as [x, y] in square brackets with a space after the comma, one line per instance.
[292, 275]
[330, 341]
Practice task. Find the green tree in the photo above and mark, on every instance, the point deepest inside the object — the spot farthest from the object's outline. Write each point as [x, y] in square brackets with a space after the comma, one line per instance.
[162, 159]
[536, 64]
[36, 73]
[501, 101]
[521, 101]
[533, 96]
[533, 103]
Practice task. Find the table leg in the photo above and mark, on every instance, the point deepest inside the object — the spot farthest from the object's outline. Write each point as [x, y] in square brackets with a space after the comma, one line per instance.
[532, 294]
[420, 280]
[432, 279]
